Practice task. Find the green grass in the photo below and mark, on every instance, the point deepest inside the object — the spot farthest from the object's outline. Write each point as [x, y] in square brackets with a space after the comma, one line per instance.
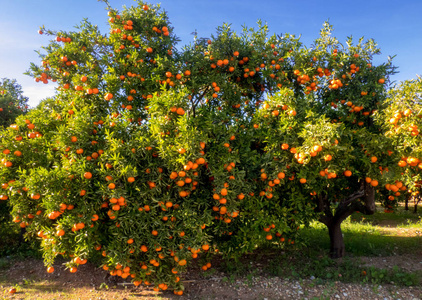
[372, 235]
[412, 224]
[381, 234]
[300, 265]
[400, 217]
[362, 239]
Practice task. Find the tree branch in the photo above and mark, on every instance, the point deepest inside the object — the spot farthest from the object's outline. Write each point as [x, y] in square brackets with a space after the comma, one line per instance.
[195, 103]
[324, 206]
[351, 203]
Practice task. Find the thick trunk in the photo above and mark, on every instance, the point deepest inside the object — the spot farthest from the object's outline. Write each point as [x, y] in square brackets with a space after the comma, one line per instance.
[362, 200]
[336, 240]
[21, 239]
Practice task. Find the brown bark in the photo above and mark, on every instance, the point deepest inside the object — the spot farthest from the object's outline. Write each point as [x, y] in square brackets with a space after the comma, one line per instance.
[362, 200]
[337, 248]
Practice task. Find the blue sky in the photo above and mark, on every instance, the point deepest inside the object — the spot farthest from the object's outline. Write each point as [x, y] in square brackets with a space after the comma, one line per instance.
[395, 25]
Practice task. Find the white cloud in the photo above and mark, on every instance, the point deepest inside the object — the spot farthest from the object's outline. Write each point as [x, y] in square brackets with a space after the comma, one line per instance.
[38, 92]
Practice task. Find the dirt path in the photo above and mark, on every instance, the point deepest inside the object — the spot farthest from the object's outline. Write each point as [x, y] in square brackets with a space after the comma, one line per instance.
[91, 283]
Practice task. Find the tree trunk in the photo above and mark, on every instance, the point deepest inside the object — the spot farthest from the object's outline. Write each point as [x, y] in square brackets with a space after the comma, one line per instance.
[406, 204]
[362, 200]
[21, 234]
[336, 240]
[416, 201]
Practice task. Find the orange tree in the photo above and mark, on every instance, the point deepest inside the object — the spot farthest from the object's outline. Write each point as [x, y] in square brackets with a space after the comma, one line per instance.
[12, 104]
[401, 121]
[149, 155]
[12, 101]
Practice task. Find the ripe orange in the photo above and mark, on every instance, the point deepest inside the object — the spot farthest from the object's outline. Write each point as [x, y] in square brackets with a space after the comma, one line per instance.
[88, 175]
[182, 262]
[281, 175]
[180, 111]
[347, 173]
[108, 96]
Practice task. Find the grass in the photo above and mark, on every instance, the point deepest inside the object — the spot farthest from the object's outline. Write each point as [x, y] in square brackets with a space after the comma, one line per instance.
[381, 234]
[47, 290]
[400, 217]
[362, 239]
[322, 269]
[363, 236]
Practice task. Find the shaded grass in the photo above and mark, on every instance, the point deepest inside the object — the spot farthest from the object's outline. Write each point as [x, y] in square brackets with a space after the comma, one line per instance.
[400, 217]
[380, 234]
[48, 290]
[362, 239]
[310, 258]
[322, 269]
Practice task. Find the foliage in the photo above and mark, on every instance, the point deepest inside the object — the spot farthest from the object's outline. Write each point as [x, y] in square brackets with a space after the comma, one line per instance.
[12, 105]
[149, 155]
[12, 101]
[401, 119]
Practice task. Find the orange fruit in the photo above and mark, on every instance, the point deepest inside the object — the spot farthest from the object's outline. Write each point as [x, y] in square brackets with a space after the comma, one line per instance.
[108, 96]
[347, 173]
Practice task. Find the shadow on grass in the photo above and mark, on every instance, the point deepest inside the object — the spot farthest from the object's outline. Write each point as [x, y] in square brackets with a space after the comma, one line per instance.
[362, 240]
[399, 218]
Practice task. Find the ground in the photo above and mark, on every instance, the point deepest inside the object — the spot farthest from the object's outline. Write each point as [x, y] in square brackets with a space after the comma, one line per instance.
[92, 283]
[384, 261]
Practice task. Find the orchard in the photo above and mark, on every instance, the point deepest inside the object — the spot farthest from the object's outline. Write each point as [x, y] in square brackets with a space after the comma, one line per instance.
[149, 157]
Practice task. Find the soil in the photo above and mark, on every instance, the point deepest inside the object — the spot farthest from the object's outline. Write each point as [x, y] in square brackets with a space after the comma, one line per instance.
[32, 282]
